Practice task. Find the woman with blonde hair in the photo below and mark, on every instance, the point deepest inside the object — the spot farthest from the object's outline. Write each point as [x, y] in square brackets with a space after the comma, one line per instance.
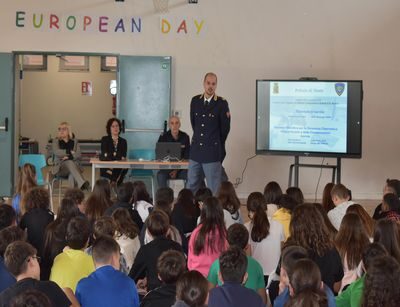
[67, 155]
[26, 182]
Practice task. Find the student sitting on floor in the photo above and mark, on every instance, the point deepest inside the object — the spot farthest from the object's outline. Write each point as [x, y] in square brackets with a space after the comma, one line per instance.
[306, 286]
[145, 264]
[191, 290]
[73, 263]
[107, 286]
[239, 236]
[170, 266]
[290, 256]
[232, 293]
[22, 261]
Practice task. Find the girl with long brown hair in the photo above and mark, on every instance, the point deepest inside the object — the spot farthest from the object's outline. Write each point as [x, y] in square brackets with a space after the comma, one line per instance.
[99, 200]
[381, 287]
[308, 230]
[230, 203]
[351, 241]
[127, 235]
[306, 286]
[266, 234]
[272, 192]
[366, 219]
[387, 233]
[208, 240]
[26, 182]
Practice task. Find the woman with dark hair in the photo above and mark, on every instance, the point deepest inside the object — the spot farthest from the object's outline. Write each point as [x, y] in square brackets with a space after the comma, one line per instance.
[141, 200]
[67, 157]
[185, 213]
[382, 283]
[113, 148]
[208, 240]
[272, 192]
[306, 286]
[351, 241]
[266, 234]
[308, 230]
[327, 202]
[99, 200]
[54, 238]
[366, 219]
[26, 182]
[286, 204]
[37, 216]
[391, 207]
[296, 194]
[387, 233]
[391, 186]
[230, 203]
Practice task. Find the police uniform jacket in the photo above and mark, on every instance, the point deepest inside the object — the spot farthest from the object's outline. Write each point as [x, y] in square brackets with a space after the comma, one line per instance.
[183, 138]
[211, 125]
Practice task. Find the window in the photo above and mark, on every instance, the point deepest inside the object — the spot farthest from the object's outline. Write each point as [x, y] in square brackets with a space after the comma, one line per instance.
[35, 62]
[73, 62]
[109, 63]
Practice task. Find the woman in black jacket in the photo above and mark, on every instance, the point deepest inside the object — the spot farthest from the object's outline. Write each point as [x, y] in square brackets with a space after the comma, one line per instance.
[113, 148]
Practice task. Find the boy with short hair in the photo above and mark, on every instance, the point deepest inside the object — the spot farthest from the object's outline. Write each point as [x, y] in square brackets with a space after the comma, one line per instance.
[238, 235]
[107, 286]
[145, 264]
[170, 266]
[341, 198]
[232, 293]
[22, 261]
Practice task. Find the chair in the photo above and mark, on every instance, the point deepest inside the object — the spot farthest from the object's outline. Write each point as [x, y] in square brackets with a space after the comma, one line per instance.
[39, 162]
[145, 154]
[60, 180]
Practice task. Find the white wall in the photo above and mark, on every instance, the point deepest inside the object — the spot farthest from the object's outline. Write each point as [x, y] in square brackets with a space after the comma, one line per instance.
[48, 98]
[246, 40]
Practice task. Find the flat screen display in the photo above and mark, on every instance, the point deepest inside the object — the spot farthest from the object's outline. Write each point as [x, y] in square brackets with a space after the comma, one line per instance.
[309, 118]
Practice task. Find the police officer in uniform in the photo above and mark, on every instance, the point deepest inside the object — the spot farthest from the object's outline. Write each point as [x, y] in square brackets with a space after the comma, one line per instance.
[174, 135]
[210, 119]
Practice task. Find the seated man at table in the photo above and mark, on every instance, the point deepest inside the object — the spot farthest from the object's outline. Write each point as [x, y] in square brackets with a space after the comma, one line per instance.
[174, 135]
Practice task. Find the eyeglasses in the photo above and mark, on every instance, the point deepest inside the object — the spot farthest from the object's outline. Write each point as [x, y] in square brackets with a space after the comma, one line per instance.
[34, 257]
[62, 128]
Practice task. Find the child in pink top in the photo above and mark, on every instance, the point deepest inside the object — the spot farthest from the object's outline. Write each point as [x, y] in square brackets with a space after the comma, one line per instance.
[208, 240]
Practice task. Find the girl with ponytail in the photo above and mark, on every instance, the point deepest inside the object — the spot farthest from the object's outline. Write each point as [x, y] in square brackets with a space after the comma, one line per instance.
[266, 235]
[26, 182]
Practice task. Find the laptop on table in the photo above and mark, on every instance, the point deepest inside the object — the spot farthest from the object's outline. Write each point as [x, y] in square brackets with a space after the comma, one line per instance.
[168, 151]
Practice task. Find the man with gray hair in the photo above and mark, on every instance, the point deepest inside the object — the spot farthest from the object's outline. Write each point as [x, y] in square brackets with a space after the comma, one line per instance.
[177, 136]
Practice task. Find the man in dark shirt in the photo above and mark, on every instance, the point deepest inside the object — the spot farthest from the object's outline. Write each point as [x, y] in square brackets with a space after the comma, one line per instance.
[21, 260]
[174, 135]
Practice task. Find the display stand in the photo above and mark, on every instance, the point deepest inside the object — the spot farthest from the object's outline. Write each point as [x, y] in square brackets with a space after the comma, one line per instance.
[336, 170]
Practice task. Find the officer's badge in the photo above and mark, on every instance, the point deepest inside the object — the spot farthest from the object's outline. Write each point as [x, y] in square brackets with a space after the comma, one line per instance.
[339, 88]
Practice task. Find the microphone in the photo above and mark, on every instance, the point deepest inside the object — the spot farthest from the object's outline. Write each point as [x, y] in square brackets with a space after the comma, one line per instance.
[165, 126]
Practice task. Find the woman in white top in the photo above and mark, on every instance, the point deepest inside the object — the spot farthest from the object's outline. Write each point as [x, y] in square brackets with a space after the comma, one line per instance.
[141, 200]
[266, 235]
[126, 235]
[230, 203]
